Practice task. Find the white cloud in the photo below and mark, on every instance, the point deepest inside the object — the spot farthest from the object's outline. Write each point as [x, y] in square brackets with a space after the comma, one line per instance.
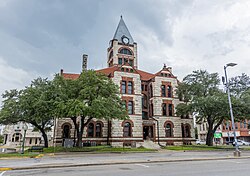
[13, 78]
[207, 36]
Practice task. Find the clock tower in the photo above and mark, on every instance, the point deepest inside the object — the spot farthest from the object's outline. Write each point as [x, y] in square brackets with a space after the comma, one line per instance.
[122, 48]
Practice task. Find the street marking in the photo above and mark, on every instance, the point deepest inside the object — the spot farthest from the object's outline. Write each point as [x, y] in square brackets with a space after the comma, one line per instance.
[1, 174]
[5, 168]
[141, 165]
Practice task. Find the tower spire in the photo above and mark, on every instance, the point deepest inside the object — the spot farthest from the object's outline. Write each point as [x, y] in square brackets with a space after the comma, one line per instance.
[122, 31]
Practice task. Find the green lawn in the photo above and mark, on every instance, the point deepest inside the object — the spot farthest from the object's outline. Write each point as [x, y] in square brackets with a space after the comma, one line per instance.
[18, 155]
[95, 149]
[198, 148]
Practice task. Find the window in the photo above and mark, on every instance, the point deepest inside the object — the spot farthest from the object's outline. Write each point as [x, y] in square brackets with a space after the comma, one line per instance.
[187, 131]
[164, 109]
[125, 60]
[144, 101]
[130, 107]
[146, 87]
[185, 128]
[36, 141]
[127, 130]
[170, 110]
[169, 91]
[125, 51]
[120, 61]
[30, 141]
[98, 130]
[142, 87]
[124, 87]
[169, 130]
[91, 130]
[163, 91]
[130, 87]
[151, 90]
[66, 131]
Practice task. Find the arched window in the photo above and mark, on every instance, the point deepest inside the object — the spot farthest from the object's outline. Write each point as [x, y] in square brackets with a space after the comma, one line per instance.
[16, 137]
[98, 130]
[187, 131]
[127, 130]
[66, 131]
[91, 130]
[168, 130]
[125, 51]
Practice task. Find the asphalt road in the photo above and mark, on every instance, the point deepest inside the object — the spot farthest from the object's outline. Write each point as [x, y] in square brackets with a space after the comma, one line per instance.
[239, 167]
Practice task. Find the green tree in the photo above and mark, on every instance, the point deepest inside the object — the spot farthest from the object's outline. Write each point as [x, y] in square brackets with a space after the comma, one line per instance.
[34, 105]
[206, 101]
[90, 96]
[239, 84]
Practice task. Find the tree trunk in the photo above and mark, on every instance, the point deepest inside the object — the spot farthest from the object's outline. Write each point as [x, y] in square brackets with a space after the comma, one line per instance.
[210, 137]
[45, 138]
[76, 126]
[210, 132]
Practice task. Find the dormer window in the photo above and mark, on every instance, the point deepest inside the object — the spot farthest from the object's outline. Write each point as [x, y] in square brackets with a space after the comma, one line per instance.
[125, 51]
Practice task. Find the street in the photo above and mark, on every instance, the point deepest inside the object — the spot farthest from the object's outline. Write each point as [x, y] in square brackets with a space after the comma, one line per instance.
[193, 168]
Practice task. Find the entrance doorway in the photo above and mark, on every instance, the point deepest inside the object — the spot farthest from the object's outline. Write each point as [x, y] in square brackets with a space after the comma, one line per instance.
[148, 133]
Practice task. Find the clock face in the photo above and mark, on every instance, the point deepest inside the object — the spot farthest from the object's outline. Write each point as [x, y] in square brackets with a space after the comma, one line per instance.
[125, 40]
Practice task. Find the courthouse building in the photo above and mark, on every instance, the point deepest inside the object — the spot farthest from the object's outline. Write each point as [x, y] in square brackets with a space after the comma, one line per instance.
[150, 99]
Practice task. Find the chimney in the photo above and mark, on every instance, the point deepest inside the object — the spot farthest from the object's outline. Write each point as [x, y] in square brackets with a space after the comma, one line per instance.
[61, 73]
[84, 62]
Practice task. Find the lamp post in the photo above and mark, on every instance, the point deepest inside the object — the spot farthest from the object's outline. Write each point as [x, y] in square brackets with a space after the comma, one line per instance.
[25, 127]
[236, 152]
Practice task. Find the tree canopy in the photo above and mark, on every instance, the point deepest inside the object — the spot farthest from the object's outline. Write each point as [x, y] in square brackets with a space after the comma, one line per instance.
[34, 105]
[206, 101]
[92, 95]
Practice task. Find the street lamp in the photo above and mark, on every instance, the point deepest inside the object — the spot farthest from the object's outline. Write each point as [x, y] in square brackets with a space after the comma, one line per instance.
[236, 152]
[25, 127]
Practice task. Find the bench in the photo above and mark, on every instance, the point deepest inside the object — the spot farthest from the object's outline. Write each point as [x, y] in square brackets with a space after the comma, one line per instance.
[36, 149]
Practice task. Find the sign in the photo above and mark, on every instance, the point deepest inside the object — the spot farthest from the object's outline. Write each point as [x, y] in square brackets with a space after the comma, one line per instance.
[217, 135]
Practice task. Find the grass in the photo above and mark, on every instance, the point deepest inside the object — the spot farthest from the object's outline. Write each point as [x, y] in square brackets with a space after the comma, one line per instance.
[97, 149]
[18, 155]
[198, 148]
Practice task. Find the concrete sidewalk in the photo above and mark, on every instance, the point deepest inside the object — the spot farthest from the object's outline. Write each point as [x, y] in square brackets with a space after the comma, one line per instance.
[87, 159]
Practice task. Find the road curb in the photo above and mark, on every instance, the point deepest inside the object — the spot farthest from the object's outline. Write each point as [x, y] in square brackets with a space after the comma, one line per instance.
[125, 162]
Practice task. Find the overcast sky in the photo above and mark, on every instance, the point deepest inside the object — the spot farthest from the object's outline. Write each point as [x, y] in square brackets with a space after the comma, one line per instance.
[39, 37]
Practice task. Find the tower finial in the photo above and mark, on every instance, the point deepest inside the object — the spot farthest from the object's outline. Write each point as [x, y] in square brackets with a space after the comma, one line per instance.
[164, 65]
[121, 16]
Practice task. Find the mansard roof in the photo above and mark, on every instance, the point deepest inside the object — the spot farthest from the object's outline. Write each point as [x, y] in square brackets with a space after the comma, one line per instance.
[122, 31]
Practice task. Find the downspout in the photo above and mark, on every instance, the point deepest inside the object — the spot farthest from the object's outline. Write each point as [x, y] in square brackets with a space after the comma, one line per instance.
[158, 131]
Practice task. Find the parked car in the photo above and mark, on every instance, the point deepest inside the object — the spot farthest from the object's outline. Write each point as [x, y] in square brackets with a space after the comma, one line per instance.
[199, 142]
[240, 143]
